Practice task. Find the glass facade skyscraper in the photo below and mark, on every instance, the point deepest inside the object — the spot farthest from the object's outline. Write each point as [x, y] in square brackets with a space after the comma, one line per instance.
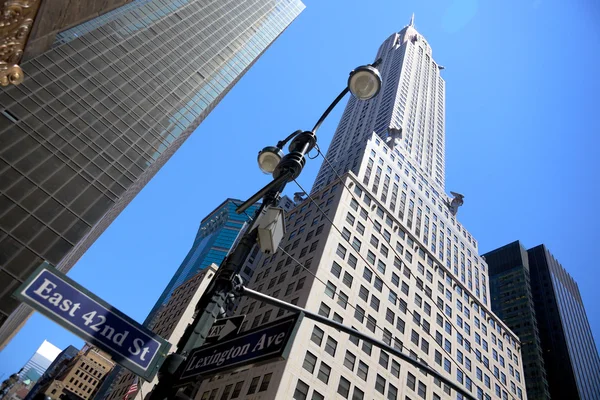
[570, 354]
[214, 239]
[102, 111]
[512, 300]
[35, 367]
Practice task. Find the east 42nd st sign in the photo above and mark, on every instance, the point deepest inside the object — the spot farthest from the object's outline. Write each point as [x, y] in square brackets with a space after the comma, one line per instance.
[61, 299]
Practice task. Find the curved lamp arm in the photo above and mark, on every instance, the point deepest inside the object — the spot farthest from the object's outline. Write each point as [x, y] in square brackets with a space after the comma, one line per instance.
[329, 109]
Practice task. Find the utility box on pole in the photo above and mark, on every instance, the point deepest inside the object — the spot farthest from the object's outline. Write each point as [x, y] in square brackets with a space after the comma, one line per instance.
[271, 228]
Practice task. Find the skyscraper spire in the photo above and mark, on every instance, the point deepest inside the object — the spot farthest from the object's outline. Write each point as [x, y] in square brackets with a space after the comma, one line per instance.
[412, 20]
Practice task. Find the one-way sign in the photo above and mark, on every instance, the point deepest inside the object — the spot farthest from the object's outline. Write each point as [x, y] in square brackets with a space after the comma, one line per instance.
[224, 328]
[260, 344]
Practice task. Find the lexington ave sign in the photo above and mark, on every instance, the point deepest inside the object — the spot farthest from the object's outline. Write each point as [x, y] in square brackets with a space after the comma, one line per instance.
[260, 344]
[72, 306]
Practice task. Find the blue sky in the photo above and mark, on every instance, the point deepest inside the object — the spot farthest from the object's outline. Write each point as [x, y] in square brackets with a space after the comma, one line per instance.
[522, 135]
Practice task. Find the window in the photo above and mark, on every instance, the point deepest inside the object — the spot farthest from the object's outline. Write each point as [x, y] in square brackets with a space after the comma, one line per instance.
[392, 392]
[359, 314]
[447, 366]
[371, 323]
[375, 303]
[384, 359]
[301, 391]
[264, 385]
[330, 289]
[300, 283]
[324, 310]
[344, 387]
[346, 234]
[381, 267]
[425, 346]
[414, 337]
[310, 361]
[367, 348]
[359, 394]
[342, 299]
[352, 260]
[363, 293]
[289, 289]
[253, 385]
[422, 390]
[360, 228]
[380, 384]
[347, 280]
[362, 371]
[324, 372]
[410, 381]
[341, 251]
[349, 360]
[350, 219]
[317, 396]
[395, 369]
[336, 269]
[331, 346]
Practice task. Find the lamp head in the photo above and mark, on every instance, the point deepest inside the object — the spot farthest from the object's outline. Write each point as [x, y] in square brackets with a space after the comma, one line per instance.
[364, 82]
[268, 158]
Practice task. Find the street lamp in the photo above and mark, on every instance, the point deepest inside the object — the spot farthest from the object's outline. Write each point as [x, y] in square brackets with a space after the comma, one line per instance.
[268, 158]
[364, 83]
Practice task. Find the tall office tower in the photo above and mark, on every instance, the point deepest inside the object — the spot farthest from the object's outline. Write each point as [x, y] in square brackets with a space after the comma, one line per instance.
[214, 239]
[409, 111]
[570, 354]
[378, 249]
[101, 112]
[512, 300]
[40, 361]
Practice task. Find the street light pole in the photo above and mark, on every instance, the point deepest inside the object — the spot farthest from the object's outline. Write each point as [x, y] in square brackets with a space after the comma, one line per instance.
[364, 83]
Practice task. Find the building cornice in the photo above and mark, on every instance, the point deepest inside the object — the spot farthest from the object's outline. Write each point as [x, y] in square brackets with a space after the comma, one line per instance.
[16, 20]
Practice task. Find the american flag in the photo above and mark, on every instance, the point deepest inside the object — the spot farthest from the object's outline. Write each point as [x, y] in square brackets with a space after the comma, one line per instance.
[132, 389]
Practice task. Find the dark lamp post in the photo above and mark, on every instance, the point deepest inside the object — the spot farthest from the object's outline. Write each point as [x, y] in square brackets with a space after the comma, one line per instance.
[364, 83]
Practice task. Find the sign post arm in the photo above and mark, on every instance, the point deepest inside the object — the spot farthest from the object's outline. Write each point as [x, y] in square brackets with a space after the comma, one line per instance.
[341, 327]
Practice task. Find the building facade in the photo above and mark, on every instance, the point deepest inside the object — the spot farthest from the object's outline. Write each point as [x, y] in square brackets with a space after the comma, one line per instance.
[170, 323]
[216, 235]
[512, 300]
[570, 354]
[99, 114]
[81, 377]
[376, 248]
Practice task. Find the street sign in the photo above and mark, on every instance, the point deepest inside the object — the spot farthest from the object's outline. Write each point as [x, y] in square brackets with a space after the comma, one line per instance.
[61, 299]
[225, 328]
[263, 343]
